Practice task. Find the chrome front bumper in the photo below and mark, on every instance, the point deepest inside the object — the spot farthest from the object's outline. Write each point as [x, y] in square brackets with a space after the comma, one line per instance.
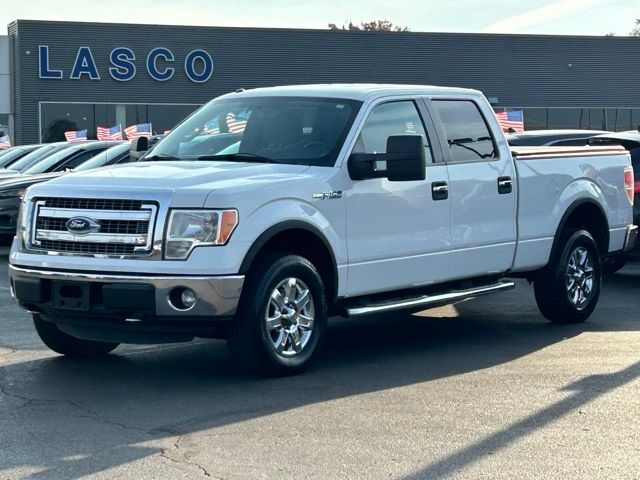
[217, 296]
[630, 238]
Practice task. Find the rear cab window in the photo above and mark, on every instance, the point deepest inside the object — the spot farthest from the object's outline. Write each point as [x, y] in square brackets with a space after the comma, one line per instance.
[468, 136]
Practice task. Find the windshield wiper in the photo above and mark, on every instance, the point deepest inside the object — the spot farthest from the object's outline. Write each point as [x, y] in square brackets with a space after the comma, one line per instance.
[161, 156]
[240, 157]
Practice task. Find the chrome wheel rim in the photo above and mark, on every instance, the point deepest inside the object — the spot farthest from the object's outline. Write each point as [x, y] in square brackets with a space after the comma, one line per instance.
[290, 317]
[580, 273]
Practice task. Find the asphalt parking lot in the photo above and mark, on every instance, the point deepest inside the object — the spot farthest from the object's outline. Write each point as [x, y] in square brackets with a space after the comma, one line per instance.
[485, 389]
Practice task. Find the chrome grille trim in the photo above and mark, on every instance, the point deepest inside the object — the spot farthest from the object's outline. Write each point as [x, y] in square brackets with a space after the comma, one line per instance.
[122, 233]
[115, 238]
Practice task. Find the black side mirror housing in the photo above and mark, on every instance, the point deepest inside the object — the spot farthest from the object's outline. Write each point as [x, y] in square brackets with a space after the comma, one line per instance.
[139, 146]
[404, 161]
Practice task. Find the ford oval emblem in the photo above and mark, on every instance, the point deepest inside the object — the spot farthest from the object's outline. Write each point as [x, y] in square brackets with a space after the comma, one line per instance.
[82, 226]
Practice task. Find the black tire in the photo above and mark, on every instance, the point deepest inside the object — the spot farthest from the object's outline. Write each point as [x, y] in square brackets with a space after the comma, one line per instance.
[250, 339]
[65, 344]
[612, 265]
[552, 285]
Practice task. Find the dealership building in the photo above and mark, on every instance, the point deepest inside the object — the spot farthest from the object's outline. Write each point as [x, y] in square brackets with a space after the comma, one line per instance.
[58, 76]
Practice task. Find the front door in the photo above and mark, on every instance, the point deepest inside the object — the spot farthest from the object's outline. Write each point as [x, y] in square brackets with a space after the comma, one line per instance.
[482, 188]
[397, 232]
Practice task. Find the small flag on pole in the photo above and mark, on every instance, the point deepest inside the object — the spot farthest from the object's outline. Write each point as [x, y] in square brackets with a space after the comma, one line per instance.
[106, 133]
[511, 121]
[5, 142]
[140, 130]
[75, 135]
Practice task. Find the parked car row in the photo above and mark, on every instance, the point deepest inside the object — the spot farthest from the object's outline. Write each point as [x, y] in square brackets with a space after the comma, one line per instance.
[27, 165]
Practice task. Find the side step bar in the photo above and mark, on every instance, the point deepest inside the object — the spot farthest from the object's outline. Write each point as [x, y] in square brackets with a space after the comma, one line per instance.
[428, 301]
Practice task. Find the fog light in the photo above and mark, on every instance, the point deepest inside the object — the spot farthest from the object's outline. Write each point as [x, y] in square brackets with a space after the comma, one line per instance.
[182, 298]
[188, 298]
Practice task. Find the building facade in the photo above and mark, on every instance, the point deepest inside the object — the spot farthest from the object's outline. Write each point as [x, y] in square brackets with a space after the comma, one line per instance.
[76, 76]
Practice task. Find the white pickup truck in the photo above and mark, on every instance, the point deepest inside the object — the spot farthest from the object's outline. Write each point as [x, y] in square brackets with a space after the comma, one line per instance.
[268, 210]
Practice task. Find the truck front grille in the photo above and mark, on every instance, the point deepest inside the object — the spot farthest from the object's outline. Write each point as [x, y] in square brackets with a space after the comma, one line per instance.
[114, 227]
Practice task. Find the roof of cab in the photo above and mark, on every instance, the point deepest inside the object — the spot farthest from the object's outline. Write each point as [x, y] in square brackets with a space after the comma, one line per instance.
[354, 91]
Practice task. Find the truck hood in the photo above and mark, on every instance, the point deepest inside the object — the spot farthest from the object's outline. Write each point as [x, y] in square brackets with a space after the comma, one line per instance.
[189, 182]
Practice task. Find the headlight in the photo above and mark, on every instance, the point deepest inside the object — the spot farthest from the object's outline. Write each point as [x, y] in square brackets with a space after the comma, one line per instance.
[188, 229]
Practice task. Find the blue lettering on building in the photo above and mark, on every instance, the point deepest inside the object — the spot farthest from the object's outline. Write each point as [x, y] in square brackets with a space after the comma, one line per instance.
[43, 64]
[198, 73]
[160, 74]
[123, 68]
[198, 65]
[84, 65]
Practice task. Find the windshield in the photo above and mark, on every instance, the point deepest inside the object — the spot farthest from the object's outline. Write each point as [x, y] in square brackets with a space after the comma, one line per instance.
[29, 158]
[305, 131]
[104, 158]
[13, 154]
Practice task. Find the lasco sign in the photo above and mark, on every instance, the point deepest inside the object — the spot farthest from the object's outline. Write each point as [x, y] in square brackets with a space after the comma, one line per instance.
[198, 65]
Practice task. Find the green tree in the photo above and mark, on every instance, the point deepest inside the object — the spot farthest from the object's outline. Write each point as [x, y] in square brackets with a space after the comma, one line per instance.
[635, 32]
[372, 26]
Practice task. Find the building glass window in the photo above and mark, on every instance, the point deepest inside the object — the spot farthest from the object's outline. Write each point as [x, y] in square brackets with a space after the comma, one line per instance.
[57, 118]
[165, 117]
[534, 118]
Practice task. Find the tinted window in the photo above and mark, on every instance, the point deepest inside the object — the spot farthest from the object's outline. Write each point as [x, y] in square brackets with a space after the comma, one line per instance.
[389, 119]
[467, 133]
[107, 157]
[52, 161]
[83, 157]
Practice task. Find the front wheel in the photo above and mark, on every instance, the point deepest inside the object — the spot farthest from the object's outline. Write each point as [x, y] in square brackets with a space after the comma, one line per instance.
[567, 291]
[66, 344]
[282, 318]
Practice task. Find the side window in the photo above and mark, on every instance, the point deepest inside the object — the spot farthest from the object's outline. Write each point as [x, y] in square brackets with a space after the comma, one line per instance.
[467, 133]
[386, 120]
[572, 142]
[82, 157]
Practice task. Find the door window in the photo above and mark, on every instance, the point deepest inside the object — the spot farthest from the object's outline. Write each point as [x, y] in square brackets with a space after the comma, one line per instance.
[468, 136]
[386, 120]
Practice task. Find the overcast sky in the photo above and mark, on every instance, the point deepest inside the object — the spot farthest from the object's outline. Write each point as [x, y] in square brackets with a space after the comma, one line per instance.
[579, 17]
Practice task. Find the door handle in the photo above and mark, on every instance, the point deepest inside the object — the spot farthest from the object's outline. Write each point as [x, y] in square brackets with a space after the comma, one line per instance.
[439, 190]
[505, 185]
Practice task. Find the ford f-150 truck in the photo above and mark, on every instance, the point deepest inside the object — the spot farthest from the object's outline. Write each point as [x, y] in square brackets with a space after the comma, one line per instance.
[268, 210]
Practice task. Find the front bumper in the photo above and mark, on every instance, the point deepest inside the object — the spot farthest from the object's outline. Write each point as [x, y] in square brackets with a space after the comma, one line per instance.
[124, 296]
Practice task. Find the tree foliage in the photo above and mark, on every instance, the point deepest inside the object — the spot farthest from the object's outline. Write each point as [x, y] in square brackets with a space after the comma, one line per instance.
[635, 32]
[372, 26]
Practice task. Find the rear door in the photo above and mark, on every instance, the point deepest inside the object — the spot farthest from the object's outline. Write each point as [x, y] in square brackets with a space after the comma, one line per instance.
[482, 184]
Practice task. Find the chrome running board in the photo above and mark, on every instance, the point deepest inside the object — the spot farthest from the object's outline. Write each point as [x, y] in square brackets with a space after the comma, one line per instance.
[428, 301]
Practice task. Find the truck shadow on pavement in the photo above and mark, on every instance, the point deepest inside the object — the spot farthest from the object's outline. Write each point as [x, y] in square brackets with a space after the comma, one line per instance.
[91, 415]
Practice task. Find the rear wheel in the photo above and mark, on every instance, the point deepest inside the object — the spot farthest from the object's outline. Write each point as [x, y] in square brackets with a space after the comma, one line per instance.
[65, 344]
[567, 291]
[282, 319]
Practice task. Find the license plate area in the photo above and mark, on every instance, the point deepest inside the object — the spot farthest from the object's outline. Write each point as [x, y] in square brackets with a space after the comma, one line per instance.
[70, 295]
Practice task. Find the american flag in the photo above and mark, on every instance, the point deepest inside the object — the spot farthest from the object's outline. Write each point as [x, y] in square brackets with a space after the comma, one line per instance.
[140, 130]
[75, 135]
[237, 123]
[5, 142]
[511, 120]
[211, 127]
[106, 133]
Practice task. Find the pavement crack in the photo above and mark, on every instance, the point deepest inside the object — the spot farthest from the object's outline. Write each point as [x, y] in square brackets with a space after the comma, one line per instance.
[182, 460]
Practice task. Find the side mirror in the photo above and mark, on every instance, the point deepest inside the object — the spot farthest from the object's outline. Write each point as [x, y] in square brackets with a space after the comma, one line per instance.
[139, 146]
[404, 161]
